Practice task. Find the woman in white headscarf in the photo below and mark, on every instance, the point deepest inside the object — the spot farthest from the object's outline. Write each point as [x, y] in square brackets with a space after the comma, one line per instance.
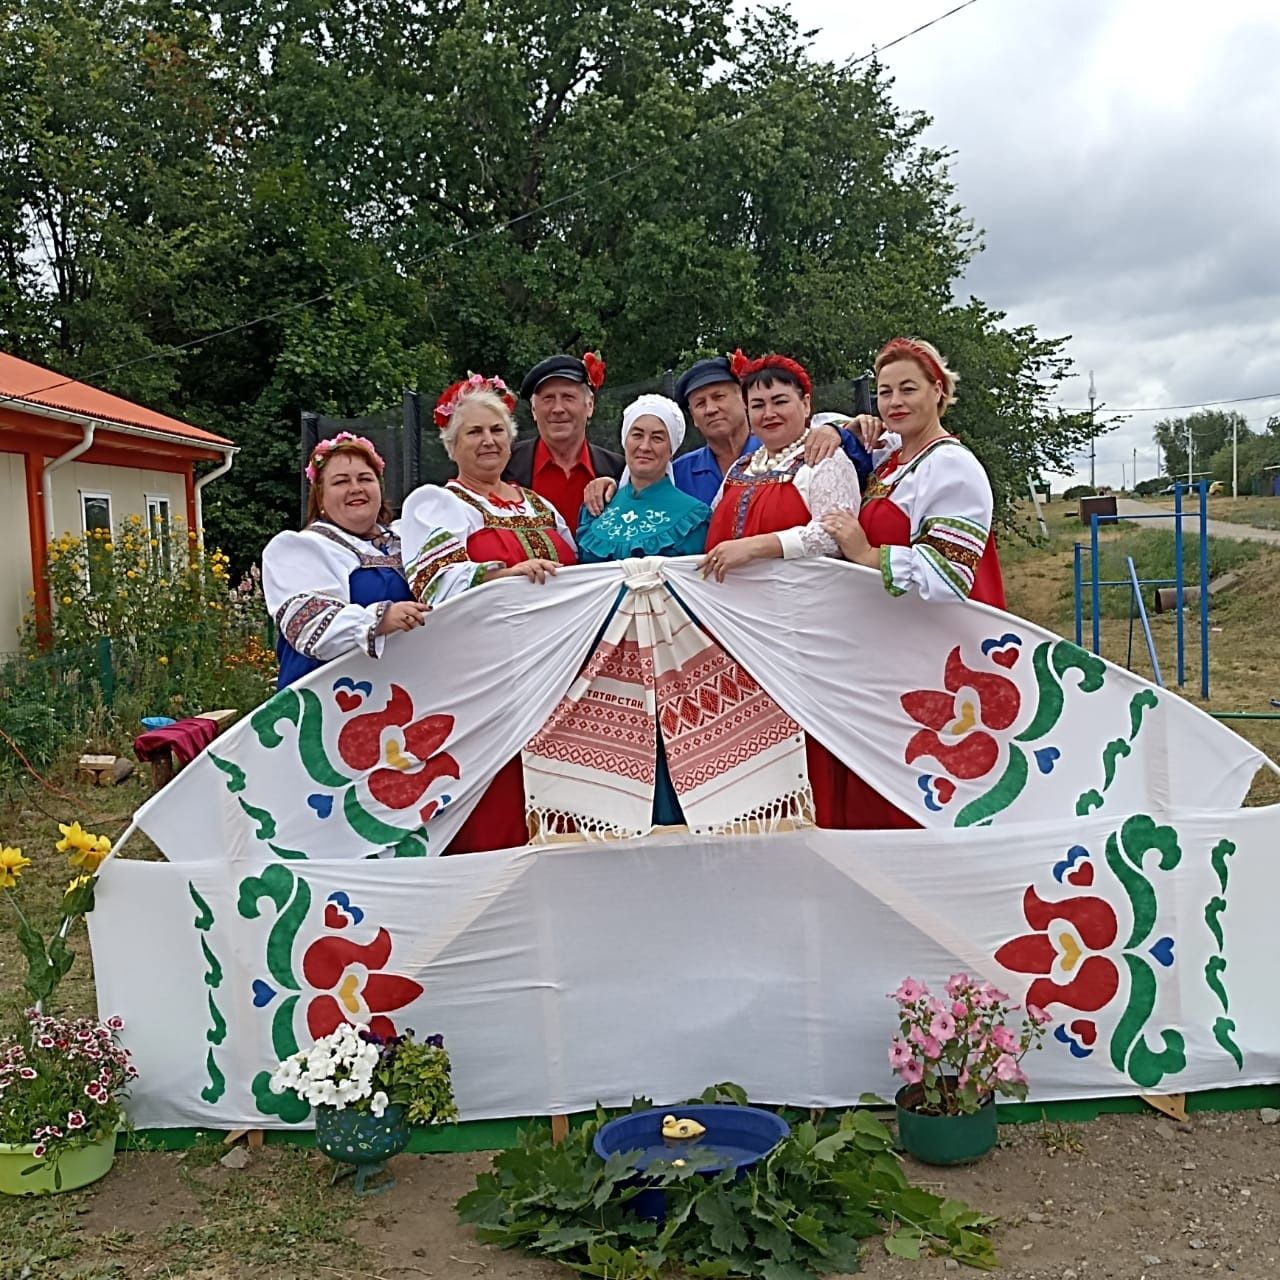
[648, 516]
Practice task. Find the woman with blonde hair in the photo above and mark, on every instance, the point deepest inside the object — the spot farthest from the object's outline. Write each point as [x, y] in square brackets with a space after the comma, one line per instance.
[338, 584]
[925, 521]
[478, 528]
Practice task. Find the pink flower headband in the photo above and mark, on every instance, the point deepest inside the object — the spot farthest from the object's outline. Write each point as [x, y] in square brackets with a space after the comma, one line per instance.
[469, 385]
[320, 454]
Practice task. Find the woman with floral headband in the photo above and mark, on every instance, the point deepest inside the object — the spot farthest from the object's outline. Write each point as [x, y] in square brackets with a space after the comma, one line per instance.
[474, 529]
[772, 505]
[925, 522]
[338, 585]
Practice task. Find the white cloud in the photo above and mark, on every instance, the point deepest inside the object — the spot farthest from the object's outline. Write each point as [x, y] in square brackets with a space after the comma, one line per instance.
[1122, 157]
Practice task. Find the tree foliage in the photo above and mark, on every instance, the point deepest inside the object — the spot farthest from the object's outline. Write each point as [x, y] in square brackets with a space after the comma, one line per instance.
[324, 203]
[1207, 430]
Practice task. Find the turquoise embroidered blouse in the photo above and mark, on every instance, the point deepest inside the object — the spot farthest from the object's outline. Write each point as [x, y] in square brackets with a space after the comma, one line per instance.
[658, 521]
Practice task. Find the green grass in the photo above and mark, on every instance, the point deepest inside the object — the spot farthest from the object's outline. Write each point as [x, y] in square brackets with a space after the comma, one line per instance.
[1153, 557]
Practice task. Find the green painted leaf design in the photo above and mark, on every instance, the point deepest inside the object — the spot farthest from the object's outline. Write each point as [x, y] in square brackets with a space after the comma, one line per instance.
[1213, 971]
[1111, 755]
[1222, 1033]
[235, 774]
[1142, 897]
[204, 918]
[217, 1086]
[1070, 657]
[1050, 698]
[217, 1032]
[285, 705]
[1001, 796]
[311, 743]
[1142, 701]
[1142, 1001]
[1218, 861]
[1212, 914]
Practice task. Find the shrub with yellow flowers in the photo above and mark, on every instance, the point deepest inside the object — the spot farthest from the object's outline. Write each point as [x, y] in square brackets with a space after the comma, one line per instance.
[62, 1079]
[153, 611]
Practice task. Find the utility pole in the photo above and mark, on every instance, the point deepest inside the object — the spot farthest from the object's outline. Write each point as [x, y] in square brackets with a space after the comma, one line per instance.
[1093, 478]
[1134, 472]
[1191, 444]
[1235, 474]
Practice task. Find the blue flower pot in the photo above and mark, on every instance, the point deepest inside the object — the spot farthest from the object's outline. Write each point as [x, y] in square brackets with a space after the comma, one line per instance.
[363, 1141]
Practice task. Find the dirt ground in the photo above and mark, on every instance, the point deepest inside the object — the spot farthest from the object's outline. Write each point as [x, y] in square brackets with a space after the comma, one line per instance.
[1120, 1198]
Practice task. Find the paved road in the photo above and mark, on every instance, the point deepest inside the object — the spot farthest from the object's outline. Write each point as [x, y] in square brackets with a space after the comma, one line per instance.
[1191, 522]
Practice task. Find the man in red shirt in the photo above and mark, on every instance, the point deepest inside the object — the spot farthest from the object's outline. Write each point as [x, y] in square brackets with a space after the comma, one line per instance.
[560, 462]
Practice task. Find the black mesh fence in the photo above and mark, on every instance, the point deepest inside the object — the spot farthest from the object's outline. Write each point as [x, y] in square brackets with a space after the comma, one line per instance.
[409, 441]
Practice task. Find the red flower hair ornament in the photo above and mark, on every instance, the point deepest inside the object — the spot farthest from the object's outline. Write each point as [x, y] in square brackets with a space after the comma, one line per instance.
[473, 382]
[595, 368]
[742, 368]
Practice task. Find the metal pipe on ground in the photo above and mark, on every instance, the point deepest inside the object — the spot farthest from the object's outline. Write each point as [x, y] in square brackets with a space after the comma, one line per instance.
[1167, 597]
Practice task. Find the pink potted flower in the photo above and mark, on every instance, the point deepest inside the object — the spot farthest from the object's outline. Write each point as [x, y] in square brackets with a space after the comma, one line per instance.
[953, 1056]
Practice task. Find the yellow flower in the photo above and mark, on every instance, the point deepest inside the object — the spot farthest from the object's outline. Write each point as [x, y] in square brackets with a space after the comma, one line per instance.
[66, 599]
[131, 573]
[135, 518]
[162, 660]
[92, 857]
[11, 864]
[73, 837]
[78, 883]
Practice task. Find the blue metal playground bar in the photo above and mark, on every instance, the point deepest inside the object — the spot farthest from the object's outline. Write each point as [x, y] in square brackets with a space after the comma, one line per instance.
[1134, 583]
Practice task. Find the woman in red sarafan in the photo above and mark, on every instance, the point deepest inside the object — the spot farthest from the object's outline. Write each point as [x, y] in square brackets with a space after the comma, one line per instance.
[925, 521]
[477, 528]
[772, 505]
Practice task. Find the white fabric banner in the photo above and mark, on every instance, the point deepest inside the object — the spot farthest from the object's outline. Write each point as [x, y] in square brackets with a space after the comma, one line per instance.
[569, 975]
[961, 715]
[1118, 885]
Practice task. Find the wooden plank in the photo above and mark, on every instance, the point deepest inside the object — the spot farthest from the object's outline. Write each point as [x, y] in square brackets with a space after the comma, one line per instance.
[161, 770]
[559, 1129]
[1173, 1105]
[221, 718]
[234, 1136]
[254, 1139]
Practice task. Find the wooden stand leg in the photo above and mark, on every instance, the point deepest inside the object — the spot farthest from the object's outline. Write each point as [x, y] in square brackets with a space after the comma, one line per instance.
[559, 1129]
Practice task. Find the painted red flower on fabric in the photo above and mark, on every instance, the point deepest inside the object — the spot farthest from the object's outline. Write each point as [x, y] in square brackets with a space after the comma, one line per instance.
[401, 755]
[347, 974]
[956, 721]
[1062, 953]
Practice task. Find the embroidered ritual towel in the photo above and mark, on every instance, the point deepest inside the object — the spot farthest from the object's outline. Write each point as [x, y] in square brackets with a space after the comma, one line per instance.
[736, 759]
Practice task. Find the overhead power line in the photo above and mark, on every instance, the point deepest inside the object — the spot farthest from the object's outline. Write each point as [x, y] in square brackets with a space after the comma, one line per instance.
[415, 260]
[1168, 408]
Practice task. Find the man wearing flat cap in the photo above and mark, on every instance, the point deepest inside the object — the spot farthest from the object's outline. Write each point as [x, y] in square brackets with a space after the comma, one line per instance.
[561, 462]
[708, 391]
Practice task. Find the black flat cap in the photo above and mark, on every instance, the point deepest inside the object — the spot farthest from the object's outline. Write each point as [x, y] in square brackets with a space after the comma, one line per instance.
[569, 367]
[702, 373]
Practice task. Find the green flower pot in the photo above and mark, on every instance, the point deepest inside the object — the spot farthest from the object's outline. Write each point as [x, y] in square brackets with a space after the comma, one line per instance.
[944, 1139]
[362, 1141]
[78, 1168]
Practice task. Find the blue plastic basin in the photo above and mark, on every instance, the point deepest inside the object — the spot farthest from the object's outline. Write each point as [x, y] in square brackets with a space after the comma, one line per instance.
[736, 1138]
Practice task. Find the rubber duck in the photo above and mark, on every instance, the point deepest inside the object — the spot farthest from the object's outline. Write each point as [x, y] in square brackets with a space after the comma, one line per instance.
[674, 1128]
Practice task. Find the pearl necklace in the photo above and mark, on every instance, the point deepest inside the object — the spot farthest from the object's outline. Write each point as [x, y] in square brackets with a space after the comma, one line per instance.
[763, 461]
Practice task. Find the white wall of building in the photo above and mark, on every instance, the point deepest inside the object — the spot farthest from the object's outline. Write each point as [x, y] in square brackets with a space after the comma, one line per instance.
[15, 549]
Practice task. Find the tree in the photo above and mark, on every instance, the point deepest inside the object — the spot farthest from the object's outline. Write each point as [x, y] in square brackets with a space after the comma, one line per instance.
[1254, 455]
[1207, 429]
[352, 196]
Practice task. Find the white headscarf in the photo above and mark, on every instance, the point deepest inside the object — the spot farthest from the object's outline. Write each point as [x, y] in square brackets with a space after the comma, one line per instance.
[667, 412]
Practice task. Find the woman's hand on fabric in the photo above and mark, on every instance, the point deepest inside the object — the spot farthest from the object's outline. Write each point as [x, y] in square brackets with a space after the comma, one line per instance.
[534, 570]
[869, 429]
[599, 493]
[404, 615]
[728, 555]
[845, 528]
[823, 443]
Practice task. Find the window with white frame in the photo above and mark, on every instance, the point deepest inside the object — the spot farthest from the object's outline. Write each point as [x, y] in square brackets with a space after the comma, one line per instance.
[95, 519]
[158, 528]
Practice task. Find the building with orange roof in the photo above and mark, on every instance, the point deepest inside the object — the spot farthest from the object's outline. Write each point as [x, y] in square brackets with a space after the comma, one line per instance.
[74, 458]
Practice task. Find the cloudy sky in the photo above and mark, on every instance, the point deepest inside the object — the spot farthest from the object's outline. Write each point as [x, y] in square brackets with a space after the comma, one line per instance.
[1123, 158]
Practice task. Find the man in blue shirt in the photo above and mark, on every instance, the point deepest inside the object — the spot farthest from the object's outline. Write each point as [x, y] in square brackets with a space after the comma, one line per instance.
[711, 395]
